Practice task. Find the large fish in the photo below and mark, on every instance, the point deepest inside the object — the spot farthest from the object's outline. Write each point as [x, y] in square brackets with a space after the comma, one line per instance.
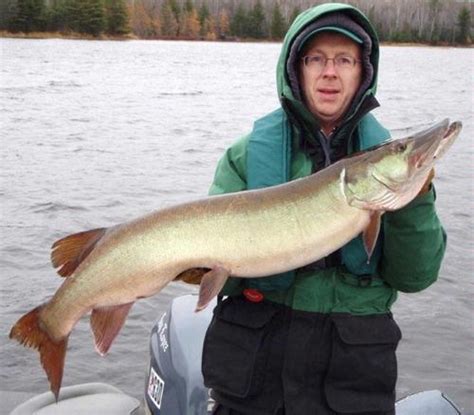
[247, 234]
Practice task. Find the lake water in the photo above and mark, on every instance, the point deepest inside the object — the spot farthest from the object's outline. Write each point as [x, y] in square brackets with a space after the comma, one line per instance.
[96, 133]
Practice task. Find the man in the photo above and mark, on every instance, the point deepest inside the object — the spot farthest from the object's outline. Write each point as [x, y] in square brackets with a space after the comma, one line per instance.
[321, 339]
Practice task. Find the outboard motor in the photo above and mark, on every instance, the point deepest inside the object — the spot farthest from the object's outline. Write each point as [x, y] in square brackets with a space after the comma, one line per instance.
[174, 384]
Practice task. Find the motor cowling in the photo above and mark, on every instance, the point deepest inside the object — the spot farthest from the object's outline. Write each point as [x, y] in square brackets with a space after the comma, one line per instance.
[174, 384]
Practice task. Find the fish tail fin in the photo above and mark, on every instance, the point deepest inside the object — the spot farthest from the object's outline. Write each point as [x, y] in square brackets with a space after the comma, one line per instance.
[28, 331]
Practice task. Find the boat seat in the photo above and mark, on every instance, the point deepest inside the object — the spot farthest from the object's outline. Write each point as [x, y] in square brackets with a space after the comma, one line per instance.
[431, 402]
[87, 398]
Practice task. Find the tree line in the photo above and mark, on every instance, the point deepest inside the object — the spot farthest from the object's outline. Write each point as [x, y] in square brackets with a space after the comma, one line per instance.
[427, 21]
[92, 17]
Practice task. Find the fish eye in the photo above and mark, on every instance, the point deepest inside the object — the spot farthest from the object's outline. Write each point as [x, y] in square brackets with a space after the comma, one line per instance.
[401, 147]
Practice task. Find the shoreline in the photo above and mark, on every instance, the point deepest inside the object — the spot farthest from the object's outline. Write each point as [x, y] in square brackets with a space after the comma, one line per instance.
[103, 37]
[60, 35]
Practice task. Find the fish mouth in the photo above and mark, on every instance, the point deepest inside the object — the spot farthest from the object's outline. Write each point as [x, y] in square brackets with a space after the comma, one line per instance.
[448, 139]
[426, 144]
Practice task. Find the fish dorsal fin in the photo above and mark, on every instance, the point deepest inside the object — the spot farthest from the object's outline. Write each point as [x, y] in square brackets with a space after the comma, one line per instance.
[106, 323]
[371, 233]
[69, 252]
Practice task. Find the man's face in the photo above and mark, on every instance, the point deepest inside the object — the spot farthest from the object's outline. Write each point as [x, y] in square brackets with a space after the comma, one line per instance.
[328, 93]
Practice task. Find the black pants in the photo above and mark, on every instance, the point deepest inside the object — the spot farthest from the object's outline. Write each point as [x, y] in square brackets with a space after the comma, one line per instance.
[222, 410]
[266, 359]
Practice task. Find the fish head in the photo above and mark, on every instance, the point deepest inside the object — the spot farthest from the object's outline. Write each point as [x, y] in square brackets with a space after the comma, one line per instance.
[391, 175]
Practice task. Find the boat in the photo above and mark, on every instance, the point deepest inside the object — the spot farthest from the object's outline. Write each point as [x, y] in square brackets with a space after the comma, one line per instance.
[174, 384]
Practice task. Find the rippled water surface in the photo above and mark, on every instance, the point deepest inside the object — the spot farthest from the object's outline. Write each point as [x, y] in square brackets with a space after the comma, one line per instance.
[96, 133]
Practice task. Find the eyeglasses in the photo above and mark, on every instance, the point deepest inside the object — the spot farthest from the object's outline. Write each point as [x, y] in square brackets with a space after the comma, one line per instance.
[317, 63]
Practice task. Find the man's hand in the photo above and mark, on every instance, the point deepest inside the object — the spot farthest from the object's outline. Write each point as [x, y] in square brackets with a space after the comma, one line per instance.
[427, 184]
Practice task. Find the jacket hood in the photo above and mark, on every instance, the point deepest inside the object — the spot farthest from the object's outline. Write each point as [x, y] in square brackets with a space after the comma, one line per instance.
[337, 14]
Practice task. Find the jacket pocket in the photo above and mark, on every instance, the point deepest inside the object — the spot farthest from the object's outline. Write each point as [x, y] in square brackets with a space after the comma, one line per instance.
[235, 346]
[362, 370]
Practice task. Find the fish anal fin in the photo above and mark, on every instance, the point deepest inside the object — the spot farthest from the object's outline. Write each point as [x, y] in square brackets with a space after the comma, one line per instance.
[106, 323]
[211, 284]
[29, 332]
[69, 252]
[371, 233]
[192, 275]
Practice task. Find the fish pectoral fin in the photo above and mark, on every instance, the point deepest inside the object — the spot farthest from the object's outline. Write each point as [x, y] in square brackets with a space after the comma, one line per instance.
[69, 252]
[371, 233]
[211, 285]
[29, 332]
[106, 323]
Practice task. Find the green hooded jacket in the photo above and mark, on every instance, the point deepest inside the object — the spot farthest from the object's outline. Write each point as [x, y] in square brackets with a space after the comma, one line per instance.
[412, 241]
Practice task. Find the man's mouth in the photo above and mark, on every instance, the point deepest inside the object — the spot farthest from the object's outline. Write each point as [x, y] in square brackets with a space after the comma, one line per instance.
[328, 90]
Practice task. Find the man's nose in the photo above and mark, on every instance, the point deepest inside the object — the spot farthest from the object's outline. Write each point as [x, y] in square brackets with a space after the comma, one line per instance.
[330, 68]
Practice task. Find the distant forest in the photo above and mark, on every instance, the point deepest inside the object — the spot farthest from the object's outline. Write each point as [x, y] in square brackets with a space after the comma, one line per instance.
[425, 21]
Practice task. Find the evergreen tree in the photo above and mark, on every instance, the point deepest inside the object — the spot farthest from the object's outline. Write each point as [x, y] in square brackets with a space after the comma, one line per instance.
[28, 17]
[239, 22]
[296, 11]
[257, 25]
[176, 9]
[204, 19]
[7, 13]
[464, 23]
[92, 14]
[74, 15]
[117, 17]
[169, 24]
[85, 16]
[278, 25]
[189, 6]
[57, 17]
